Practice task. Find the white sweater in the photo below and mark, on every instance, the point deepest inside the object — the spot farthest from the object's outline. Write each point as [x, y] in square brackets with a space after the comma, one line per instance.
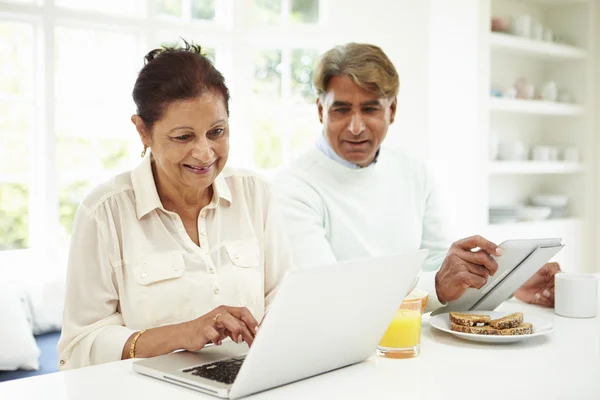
[335, 213]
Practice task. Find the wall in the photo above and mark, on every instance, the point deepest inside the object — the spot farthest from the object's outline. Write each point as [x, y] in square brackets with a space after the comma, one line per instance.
[401, 29]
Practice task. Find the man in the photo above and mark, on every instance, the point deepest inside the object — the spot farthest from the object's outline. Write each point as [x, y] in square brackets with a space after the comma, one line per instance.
[349, 197]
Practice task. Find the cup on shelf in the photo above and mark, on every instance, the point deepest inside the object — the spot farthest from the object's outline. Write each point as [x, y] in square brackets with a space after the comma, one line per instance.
[571, 154]
[540, 153]
[520, 25]
[525, 89]
[512, 151]
[537, 31]
[500, 24]
[510, 93]
[549, 91]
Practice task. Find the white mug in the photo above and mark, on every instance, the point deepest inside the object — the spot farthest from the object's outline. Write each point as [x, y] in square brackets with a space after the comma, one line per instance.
[576, 295]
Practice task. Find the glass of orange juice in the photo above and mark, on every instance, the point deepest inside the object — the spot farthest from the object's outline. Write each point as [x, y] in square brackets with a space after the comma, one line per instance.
[403, 336]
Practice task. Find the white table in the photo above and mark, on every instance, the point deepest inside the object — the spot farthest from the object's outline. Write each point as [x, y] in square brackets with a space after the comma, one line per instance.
[562, 365]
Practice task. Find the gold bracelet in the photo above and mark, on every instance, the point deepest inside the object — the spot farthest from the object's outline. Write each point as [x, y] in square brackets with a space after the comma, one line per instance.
[133, 342]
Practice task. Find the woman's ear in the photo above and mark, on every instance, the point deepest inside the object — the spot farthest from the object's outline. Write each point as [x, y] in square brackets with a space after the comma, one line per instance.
[142, 130]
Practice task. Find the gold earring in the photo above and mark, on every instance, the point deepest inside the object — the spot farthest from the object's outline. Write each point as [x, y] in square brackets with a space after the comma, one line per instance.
[144, 152]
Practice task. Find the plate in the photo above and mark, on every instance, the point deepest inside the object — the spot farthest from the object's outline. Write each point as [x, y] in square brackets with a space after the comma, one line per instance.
[541, 326]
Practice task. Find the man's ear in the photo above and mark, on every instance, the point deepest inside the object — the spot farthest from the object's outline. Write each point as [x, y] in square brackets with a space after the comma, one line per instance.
[393, 109]
[320, 109]
[142, 130]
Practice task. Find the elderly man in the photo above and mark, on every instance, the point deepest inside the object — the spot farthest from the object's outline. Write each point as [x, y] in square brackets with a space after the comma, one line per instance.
[349, 197]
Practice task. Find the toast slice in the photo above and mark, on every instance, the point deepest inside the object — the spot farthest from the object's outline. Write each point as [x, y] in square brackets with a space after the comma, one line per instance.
[524, 329]
[478, 330]
[510, 321]
[468, 319]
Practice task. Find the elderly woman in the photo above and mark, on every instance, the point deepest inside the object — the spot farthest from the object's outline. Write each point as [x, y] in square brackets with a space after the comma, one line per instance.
[180, 251]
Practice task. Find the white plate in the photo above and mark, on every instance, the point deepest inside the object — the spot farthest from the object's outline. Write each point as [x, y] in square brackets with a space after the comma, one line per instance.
[541, 327]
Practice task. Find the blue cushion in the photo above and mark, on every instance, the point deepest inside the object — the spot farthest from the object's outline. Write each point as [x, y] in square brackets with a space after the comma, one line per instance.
[48, 358]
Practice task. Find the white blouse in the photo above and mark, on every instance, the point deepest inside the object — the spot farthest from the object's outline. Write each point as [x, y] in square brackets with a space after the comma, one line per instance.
[133, 266]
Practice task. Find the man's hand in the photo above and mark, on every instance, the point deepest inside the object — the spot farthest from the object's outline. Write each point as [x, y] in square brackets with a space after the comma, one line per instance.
[468, 264]
[539, 289]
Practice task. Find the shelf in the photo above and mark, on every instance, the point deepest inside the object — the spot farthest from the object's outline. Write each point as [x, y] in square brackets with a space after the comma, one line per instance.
[557, 2]
[534, 167]
[535, 107]
[535, 48]
[549, 225]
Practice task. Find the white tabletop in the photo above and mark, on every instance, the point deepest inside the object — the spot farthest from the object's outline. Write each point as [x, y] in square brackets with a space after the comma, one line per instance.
[564, 364]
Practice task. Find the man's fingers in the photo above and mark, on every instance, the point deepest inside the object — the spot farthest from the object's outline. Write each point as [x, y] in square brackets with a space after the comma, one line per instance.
[472, 280]
[473, 242]
[481, 258]
[551, 268]
[542, 300]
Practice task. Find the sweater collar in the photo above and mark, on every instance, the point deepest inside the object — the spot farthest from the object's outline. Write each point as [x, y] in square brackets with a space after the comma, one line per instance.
[324, 147]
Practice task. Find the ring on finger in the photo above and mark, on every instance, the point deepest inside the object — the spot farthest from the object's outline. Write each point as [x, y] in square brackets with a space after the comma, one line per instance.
[216, 320]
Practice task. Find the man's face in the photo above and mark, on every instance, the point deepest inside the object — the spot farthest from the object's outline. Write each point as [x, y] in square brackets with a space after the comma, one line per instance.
[355, 121]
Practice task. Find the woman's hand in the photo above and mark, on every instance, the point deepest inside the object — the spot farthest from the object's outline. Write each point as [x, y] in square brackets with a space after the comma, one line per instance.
[234, 322]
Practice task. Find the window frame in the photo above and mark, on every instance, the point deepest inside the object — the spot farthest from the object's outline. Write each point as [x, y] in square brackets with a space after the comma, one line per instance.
[234, 40]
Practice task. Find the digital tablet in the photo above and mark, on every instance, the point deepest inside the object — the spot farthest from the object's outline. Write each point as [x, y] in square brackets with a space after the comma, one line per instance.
[519, 261]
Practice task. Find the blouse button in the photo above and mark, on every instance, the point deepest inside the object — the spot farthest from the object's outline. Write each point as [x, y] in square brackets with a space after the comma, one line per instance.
[144, 275]
[216, 290]
[175, 267]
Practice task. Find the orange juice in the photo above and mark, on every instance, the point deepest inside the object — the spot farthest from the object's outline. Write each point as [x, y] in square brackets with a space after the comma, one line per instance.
[404, 331]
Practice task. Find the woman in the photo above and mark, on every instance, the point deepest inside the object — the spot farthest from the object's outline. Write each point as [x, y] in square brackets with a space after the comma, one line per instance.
[180, 251]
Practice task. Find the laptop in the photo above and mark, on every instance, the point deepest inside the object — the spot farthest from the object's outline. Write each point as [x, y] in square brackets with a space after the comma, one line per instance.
[323, 318]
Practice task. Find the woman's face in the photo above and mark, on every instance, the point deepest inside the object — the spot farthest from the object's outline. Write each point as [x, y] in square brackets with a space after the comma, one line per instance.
[190, 143]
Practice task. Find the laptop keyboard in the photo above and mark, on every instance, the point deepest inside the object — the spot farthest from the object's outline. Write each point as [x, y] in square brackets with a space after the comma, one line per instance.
[223, 371]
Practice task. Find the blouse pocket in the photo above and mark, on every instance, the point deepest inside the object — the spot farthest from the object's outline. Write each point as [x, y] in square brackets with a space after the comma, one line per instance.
[244, 260]
[161, 290]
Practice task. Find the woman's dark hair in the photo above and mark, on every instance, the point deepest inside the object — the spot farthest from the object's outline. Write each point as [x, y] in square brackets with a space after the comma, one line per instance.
[175, 73]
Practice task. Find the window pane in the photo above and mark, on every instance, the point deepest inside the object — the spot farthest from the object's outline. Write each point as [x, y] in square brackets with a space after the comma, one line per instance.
[16, 59]
[303, 65]
[168, 8]
[305, 11]
[74, 155]
[305, 127]
[95, 64]
[203, 9]
[266, 12]
[267, 74]
[14, 140]
[70, 197]
[134, 8]
[14, 218]
[106, 146]
[267, 141]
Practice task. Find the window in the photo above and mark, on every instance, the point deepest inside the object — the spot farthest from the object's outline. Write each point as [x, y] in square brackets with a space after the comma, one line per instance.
[16, 114]
[67, 70]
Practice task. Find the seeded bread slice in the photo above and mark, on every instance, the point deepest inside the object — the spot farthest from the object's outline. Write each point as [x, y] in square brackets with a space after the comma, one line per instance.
[524, 329]
[510, 321]
[468, 319]
[478, 330]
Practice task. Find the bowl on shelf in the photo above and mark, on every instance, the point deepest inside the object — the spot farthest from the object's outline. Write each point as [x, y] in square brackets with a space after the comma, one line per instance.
[535, 213]
[550, 200]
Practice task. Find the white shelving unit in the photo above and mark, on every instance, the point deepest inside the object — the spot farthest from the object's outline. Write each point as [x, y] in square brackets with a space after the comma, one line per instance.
[534, 167]
[538, 122]
[538, 107]
[534, 48]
